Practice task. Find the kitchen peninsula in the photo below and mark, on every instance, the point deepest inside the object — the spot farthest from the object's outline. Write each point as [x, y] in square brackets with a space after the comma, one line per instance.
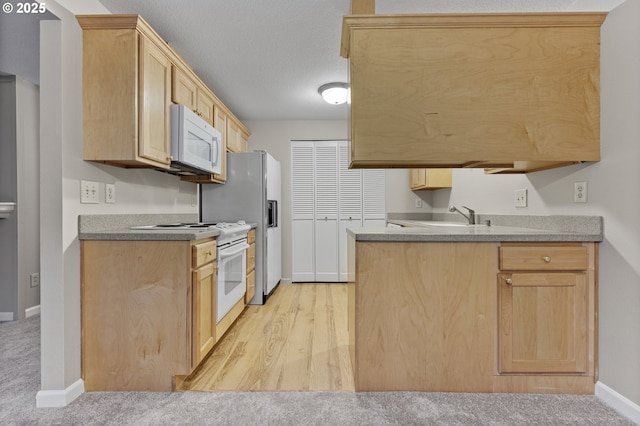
[459, 308]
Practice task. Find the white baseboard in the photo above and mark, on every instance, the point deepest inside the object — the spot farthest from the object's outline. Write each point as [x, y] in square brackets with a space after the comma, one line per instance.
[618, 402]
[34, 310]
[285, 281]
[59, 398]
[6, 316]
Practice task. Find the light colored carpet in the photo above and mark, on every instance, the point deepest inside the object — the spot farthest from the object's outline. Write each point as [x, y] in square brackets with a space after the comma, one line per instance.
[20, 381]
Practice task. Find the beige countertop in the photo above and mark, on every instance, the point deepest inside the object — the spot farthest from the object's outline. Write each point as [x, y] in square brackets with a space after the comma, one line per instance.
[411, 230]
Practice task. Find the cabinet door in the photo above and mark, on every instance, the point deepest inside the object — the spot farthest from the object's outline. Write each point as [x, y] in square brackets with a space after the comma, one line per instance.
[234, 140]
[430, 179]
[155, 100]
[204, 311]
[417, 178]
[183, 89]
[543, 322]
[205, 105]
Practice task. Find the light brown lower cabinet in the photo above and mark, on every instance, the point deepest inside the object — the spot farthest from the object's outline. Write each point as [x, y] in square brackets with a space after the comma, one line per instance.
[547, 312]
[429, 316]
[148, 312]
[204, 300]
[251, 266]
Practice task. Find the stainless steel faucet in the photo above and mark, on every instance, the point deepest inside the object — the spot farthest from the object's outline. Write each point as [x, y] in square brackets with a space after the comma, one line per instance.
[472, 214]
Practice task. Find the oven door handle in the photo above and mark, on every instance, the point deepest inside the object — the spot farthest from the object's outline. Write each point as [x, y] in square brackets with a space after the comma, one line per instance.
[228, 253]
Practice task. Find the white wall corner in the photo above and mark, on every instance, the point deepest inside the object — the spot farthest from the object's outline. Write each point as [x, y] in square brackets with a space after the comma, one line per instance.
[34, 310]
[59, 398]
[618, 402]
[6, 316]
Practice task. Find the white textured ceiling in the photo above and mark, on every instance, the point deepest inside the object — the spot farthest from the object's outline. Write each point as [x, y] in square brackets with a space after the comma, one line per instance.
[266, 59]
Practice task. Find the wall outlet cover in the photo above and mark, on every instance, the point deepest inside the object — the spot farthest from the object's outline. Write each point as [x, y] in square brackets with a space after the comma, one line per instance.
[580, 192]
[110, 193]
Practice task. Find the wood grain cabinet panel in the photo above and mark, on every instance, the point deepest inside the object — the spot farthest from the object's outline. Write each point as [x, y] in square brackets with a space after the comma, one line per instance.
[422, 319]
[251, 266]
[420, 179]
[126, 93]
[187, 90]
[547, 310]
[504, 92]
[148, 312]
[204, 311]
[543, 323]
[130, 78]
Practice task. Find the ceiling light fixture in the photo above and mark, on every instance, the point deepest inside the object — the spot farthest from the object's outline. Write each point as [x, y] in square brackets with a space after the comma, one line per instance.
[334, 93]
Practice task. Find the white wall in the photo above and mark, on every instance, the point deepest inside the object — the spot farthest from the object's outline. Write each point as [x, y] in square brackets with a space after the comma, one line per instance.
[62, 167]
[276, 136]
[612, 193]
[28, 185]
[19, 233]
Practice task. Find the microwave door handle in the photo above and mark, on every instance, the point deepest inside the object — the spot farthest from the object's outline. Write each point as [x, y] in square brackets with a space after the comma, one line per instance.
[275, 213]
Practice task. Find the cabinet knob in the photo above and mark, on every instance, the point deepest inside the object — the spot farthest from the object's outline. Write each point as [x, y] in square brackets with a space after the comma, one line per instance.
[547, 259]
[509, 281]
[210, 253]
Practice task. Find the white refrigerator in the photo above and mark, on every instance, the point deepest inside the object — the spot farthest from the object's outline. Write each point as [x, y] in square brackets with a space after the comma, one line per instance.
[251, 193]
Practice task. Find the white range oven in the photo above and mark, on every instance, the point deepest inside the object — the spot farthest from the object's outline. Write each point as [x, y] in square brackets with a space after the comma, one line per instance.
[232, 266]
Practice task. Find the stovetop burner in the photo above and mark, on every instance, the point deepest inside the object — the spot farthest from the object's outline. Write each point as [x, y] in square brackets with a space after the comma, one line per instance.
[224, 227]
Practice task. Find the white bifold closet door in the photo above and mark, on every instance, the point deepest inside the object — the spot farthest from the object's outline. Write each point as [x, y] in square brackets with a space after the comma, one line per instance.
[302, 212]
[350, 198]
[326, 210]
[327, 198]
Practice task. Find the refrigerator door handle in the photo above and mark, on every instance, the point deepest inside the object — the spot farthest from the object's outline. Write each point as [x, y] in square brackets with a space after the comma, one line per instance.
[272, 213]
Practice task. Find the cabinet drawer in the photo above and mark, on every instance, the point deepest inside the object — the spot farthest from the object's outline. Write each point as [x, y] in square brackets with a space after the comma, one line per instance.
[204, 253]
[251, 258]
[251, 236]
[543, 258]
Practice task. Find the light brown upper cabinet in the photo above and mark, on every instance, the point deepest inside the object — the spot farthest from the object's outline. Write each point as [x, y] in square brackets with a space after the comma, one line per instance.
[126, 93]
[186, 91]
[504, 92]
[420, 179]
[237, 136]
[130, 78]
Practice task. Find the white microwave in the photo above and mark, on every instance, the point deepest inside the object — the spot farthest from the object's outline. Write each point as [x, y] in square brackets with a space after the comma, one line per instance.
[196, 146]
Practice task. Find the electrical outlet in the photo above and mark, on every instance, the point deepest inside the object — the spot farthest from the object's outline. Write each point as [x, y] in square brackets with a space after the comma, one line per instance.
[89, 192]
[521, 198]
[34, 279]
[418, 203]
[580, 192]
[110, 193]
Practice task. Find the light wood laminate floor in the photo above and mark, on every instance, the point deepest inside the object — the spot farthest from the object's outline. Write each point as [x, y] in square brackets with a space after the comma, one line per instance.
[298, 341]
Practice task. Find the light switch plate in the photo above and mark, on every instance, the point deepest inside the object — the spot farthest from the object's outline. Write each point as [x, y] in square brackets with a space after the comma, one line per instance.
[521, 198]
[89, 192]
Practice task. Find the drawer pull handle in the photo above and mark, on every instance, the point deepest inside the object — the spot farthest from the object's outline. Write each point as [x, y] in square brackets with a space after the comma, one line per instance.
[547, 259]
[509, 281]
[210, 253]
